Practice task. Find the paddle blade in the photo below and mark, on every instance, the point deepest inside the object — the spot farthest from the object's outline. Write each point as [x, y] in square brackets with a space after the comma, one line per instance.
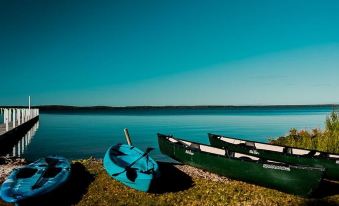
[131, 174]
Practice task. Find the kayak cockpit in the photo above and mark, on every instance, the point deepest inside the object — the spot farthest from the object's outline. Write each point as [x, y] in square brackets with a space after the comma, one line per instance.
[118, 155]
[35, 179]
[131, 166]
[25, 172]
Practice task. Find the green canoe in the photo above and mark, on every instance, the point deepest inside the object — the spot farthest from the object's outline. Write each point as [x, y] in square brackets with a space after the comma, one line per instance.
[299, 180]
[289, 155]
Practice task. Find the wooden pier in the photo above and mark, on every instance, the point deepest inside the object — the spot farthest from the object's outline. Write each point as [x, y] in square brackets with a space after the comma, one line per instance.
[16, 122]
[18, 147]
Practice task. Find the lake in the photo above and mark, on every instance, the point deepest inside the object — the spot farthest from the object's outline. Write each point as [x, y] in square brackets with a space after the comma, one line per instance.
[84, 134]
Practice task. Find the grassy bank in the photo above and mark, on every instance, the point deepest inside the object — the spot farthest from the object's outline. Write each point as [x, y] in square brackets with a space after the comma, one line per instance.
[90, 185]
[326, 140]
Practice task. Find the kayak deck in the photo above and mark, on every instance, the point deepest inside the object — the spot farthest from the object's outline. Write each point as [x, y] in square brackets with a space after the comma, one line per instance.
[131, 166]
[37, 178]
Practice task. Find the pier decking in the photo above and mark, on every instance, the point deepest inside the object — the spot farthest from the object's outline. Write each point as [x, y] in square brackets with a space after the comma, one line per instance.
[3, 128]
[17, 121]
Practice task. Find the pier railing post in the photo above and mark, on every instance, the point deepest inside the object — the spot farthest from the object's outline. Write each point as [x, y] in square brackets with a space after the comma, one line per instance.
[4, 113]
[18, 116]
[6, 119]
[9, 115]
[14, 119]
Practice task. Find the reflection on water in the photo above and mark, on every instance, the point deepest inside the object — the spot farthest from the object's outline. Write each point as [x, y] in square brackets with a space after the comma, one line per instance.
[77, 136]
[17, 149]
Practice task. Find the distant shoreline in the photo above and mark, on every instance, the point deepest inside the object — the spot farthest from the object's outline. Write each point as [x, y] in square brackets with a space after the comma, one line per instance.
[133, 108]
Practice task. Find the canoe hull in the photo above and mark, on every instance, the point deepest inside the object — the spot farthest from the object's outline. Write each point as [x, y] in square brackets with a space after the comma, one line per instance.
[295, 180]
[141, 181]
[331, 165]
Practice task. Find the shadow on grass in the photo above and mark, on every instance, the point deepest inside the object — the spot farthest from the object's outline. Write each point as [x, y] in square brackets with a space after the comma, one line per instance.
[68, 194]
[171, 179]
[326, 188]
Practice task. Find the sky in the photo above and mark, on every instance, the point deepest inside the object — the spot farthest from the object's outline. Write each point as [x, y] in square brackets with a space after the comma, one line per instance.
[169, 52]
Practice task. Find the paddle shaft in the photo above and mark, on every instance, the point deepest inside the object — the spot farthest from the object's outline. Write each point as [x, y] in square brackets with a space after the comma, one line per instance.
[128, 138]
[41, 178]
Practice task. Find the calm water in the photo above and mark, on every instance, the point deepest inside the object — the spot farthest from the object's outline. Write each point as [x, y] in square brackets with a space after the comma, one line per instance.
[80, 135]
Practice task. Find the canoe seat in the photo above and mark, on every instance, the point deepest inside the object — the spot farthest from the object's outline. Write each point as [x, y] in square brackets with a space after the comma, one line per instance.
[250, 144]
[229, 153]
[25, 173]
[195, 146]
[311, 153]
[287, 150]
[322, 154]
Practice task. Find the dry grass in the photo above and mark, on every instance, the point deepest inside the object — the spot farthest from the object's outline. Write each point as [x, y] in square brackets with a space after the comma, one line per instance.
[90, 185]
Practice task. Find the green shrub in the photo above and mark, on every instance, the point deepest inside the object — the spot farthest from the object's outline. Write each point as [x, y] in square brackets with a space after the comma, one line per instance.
[326, 140]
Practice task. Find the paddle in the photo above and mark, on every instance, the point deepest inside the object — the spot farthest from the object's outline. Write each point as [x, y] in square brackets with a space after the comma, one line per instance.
[127, 168]
[51, 162]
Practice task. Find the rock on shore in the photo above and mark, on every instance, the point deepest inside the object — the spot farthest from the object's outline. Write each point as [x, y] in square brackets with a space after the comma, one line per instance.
[198, 173]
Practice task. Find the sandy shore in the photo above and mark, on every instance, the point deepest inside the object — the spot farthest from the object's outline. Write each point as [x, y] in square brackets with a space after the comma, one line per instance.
[89, 184]
[198, 173]
[7, 164]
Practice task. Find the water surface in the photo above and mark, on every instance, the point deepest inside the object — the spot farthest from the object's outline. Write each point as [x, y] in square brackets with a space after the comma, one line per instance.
[84, 134]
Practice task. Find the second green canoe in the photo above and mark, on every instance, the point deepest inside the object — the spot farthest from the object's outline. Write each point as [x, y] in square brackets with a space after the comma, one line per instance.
[299, 180]
[289, 155]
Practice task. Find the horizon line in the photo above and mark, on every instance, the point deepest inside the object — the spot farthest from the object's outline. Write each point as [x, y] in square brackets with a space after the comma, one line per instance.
[162, 106]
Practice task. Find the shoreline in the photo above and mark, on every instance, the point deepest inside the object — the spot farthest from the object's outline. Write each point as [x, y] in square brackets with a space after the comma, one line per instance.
[7, 164]
[180, 184]
[138, 107]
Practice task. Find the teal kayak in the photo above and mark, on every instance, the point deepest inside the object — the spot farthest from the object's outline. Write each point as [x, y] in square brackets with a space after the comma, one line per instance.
[35, 179]
[131, 166]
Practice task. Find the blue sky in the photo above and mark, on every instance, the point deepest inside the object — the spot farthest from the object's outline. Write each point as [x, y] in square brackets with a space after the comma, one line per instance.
[125, 53]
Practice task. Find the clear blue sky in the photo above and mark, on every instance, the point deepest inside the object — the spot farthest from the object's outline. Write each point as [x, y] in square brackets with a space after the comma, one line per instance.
[124, 53]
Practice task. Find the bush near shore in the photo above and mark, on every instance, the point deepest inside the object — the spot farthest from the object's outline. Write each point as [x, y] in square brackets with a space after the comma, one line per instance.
[326, 140]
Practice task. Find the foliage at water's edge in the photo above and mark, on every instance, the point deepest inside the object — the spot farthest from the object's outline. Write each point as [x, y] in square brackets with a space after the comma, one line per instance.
[326, 140]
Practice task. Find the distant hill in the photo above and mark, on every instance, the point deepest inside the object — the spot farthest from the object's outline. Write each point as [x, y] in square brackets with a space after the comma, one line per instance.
[56, 108]
[186, 109]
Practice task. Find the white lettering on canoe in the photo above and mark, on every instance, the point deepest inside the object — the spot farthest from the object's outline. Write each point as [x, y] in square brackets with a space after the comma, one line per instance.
[276, 167]
[337, 162]
[189, 152]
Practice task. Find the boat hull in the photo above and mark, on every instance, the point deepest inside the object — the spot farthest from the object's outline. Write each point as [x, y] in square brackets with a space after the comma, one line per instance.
[135, 177]
[21, 183]
[331, 165]
[291, 179]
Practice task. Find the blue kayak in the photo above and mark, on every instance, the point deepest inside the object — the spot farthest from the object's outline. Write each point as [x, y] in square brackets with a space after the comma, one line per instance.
[37, 178]
[131, 166]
